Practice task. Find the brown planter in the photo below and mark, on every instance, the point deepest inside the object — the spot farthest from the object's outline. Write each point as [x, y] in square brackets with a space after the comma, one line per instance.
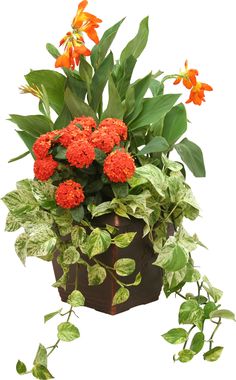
[100, 297]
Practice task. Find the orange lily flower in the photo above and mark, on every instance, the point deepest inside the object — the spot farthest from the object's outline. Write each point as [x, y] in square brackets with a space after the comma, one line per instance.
[74, 42]
[188, 76]
[197, 94]
[86, 22]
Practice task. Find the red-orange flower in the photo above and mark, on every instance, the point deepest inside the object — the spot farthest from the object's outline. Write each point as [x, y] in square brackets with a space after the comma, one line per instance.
[70, 134]
[116, 125]
[86, 22]
[83, 22]
[45, 168]
[69, 194]
[119, 166]
[197, 94]
[105, 139]
[44, 143]
[80, 154]
[188, 76]
[86, 123]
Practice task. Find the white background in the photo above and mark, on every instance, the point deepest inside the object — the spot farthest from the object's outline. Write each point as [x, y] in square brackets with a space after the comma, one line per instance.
[128, 345]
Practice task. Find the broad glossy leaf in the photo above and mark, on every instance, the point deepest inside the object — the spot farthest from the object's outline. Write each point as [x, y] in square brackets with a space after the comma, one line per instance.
[67, 332]
[78, 213]
[197, 342]
[120, 296]
[100, 50]
[12, 223]
[64, 118]
[154, 109]
[124, 240]
[213, 354]
[78, 235]
[34, 125]
[157, 145]
[76, 299]
[192, 156]
[222, 313]
[215, 293]
[77, 106]
[125, 266]
[41, 372]
[154, 176]
[98, 242]
[185, 355]
[21, 368]
[191, 313]
[70, 256]
[28, 140]
[114, 107]
[96, 274]
[123, 75]
[41, 356]
[208, 308]
[175, 124]
[176, 336]
[138, 43]
[42, 241]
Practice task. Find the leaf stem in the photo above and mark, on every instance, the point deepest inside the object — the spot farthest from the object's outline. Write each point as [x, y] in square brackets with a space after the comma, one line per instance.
[185, 344]
[213, 333]
[58, 341]
[180, 295]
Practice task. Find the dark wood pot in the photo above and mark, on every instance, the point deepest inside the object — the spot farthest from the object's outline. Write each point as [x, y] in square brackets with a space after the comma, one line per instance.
[100, 297]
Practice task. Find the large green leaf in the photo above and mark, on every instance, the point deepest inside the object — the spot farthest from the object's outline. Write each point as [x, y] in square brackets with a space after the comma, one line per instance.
[99, 81]
[157, 145]
[20, 202]
[175, 124]
[191, 313]
[98, 242]
[172, 258]
[153, 110]
[222, 313]
[67, 332]
[125, 266]
[176, 336]
[100, 50]
[123, 75]
[96, 274]
[138, 43]
[77, 106]
[76, 299]
[197, 342]
[192, 156]
[41, 242]
[41, 372]
[155, 176]
[114, 107]
[28, 140]
[41, 356]
[120, 296]
[54, 84]
[213, 354]
[63, 119]
[34, 125]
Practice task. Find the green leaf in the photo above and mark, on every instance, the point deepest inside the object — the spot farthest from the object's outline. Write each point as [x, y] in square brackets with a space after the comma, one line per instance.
[197, 342]
[96, 275]
[114, 107]
[99, 81]
[208, 308]
[172, 258]
[156, 87]
[120, 190]
[67, 332]
[77, 106]
[192, 156]
[42, 241]
[215, 293]
[78, 236]
[124, 240]
[156, 145]
[41, 372]
[19, 157]
[41, 356]
[102, 209]
[54, 84]
[120, 296]
[28, 140]
[64, 118]
[154, 109]
[172, 165]
[76, 299]
[175, 278]
[176, 336]
[98, 242]
[175, 124]
[60, 153]
[20, 202]
[185, 355]
[49, 316]
[222, 313]
[100, 50]
[12, 223]
[136, 46]
[122, 75]
[78, 213]
[44, 193]
[61, 282]
[85, 71]
[154, 176]
[70, 256]
[213, 354]
[21, 368]
[20, 247]
[191, 313]
[124, 267]
[52, 50]
[34, 125]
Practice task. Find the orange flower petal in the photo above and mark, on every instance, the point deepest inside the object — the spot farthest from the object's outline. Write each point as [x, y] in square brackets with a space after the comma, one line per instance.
[187, 83]
[177, 80]
[92, 34]
[206, 87]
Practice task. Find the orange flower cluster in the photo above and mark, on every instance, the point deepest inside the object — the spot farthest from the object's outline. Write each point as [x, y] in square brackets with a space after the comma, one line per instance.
[45, 168]
[197, 93]
[69, 194]
[80, 154]
[119, 166]
[83, 22]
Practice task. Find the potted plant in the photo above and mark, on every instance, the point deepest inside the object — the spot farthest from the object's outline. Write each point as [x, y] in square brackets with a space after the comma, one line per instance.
[107, 203]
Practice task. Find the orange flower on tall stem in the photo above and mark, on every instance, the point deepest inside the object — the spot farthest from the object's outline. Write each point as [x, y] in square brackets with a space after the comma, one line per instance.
[197, 93]
[83, 22]
[188, 76]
